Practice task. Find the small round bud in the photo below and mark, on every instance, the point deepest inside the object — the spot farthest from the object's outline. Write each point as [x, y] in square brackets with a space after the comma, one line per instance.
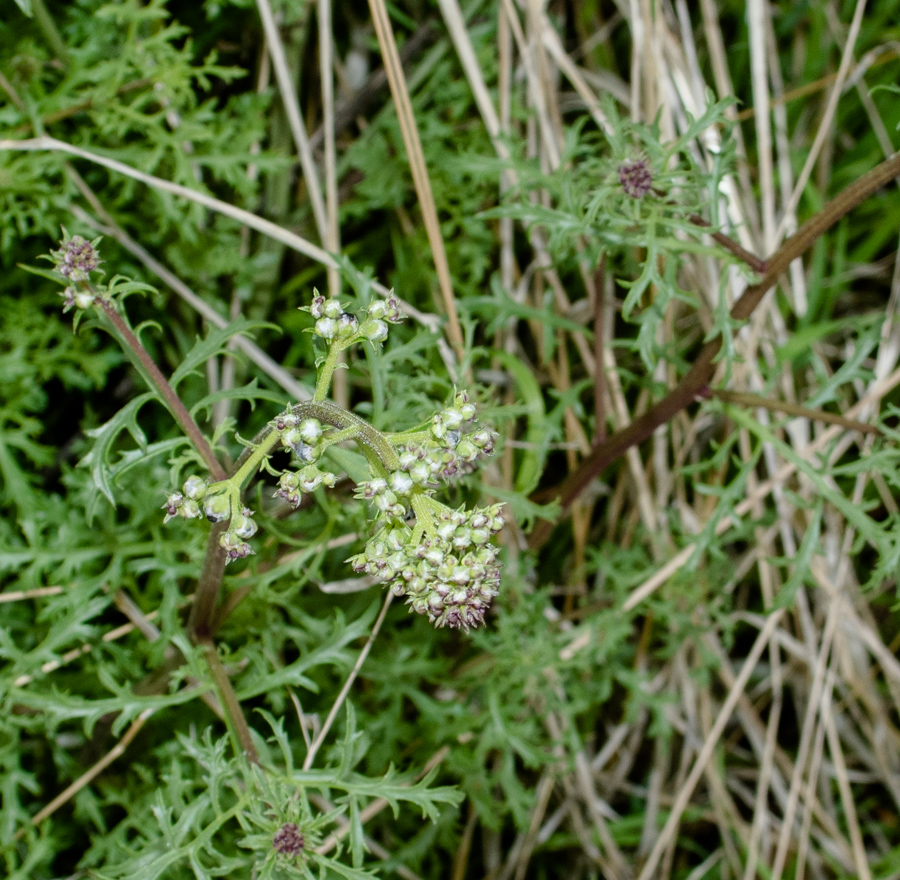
[310, 430]
[332, 309]
[401, 482]
[317, 306]
[217, 508]
[84, 299]
[374, 330]
[393, 313]
[326, 328]
[347, 325]
[377, 310]
[194, 488]
[420, 473]
[173, 505]
[242, 525]
[190, 509]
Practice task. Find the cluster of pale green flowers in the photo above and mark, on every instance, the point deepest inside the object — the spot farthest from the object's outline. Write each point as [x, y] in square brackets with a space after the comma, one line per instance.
[438, 558]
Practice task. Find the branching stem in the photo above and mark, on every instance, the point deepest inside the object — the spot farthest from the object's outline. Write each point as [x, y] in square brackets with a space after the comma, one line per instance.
[700, 373]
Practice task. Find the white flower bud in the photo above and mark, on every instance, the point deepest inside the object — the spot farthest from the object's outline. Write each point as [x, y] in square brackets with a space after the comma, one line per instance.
[377, 310]
[332, 309]
[242, 525]
[452, 418]
[194, 488]
[420, 473]
[83, 299]
[217, 508]
[310, 430]
[326, 328]
[190, 509]
[401, 482]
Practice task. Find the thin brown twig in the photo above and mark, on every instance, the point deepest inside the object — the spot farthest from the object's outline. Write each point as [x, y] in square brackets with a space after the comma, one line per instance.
[794, 409]
[699, 375]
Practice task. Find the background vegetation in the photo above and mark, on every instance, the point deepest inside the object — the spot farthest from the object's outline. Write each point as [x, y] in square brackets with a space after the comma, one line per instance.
[691, 669]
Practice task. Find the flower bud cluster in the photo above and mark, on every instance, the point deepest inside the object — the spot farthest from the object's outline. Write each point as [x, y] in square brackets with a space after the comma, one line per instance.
[635, 177]
[449, 572]
[186, 503]
[292, 485]
[77, 299]
[233, 540]
[301, 436]
[76, 258]
[333, 323]
[456, 442]
[197, 498]
[304, 438]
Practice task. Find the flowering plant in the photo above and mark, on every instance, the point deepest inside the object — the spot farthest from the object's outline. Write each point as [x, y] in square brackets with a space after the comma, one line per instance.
[440, 559]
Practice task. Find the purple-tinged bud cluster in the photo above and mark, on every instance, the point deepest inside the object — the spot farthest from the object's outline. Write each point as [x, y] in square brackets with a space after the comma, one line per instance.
[636, 177]
[186, 503]
[302, 436]
[291, 486]
[450, 573]
[334, 323]
[288, 841]
[233, 540]
[197, 498]
[77, 299]
[76, 258]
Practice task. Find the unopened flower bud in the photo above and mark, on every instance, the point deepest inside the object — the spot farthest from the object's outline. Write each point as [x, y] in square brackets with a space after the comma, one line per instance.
[374, 330]
[332, 309]
[194, 488]
[401, 482]
[285, 420]
[84, 299]
[377, 310]
[317, 306]
[347, 325]
[234, 547]
[420, 473]
[310, 430]
[393, 313]
[326, 328]
[242, 525]
[217, 508]
[190, 509]
[173, 505]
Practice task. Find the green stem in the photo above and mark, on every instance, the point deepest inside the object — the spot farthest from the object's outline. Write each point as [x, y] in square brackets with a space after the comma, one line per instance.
[51, 32]
[329, 414]
[166, 391]
[323, 383]
[237, 723]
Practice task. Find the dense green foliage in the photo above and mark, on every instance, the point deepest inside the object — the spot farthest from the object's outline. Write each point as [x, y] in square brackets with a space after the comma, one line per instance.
[88, 453]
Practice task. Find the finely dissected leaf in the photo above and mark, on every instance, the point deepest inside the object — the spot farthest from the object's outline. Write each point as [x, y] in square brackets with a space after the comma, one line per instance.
[98, 460]
[214, 343]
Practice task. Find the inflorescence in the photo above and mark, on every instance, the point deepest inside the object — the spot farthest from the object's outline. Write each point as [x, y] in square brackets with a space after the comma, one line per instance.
[440, 559]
